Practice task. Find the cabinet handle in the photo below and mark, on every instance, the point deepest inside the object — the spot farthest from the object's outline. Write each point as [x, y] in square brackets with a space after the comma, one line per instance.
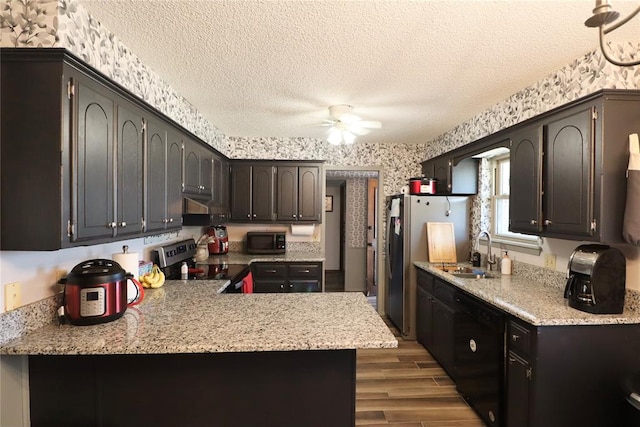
[305, 271]
[170, 219]
[248, 215]
[294, 215]
[111, 225]
[547, 222]
[281, 285]
[254, 215]
[269, 271]
[515, 337]
[512, 360]
[122, 224]
[534, 222]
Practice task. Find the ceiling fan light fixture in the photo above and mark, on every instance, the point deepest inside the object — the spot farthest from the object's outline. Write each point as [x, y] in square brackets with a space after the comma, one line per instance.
[335, 136]
[348, 137]
[603, 14]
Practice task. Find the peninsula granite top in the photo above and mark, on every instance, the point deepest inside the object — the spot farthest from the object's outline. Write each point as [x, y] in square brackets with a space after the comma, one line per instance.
[535, 302]
[194, 317]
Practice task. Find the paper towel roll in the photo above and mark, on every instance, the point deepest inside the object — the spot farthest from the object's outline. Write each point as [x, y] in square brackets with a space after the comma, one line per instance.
[302, 230]
[128, 261]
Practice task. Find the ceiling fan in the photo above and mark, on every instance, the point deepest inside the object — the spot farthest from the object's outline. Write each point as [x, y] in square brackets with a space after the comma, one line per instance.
[345, 126]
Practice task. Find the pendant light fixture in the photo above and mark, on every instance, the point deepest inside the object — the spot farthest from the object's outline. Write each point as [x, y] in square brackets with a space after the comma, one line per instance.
[603, 15]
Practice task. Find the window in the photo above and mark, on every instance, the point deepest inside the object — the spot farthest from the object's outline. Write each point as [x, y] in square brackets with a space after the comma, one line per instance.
[500, 207]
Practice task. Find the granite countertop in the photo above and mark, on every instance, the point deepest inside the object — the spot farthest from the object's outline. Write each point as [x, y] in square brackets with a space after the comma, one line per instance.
[535, 302]
[193, 317]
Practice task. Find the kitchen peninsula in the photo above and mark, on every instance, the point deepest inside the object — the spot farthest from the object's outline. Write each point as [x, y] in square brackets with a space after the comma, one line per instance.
[189, 355]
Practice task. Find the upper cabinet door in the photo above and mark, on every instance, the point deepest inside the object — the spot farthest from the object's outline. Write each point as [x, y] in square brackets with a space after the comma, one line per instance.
[287, 203]
[309, 199]
[206, 173]
[568, 186]
[241, 193]
[156, 140]
[94, 208]
[262, 193]
[174, 179]
[525, 196]
[129, 171]
[191, 168]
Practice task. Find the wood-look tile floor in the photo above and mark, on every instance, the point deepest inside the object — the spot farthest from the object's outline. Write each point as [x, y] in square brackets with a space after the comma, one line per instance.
[406, 387]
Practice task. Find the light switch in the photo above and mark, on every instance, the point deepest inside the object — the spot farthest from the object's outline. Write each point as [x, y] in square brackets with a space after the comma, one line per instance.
[12, 297]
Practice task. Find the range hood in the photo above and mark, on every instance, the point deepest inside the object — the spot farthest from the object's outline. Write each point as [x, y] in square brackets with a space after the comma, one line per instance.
[202, 212]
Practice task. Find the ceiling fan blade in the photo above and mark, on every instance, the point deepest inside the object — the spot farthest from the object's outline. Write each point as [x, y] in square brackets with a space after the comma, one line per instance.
[371, 124]
[356, 129]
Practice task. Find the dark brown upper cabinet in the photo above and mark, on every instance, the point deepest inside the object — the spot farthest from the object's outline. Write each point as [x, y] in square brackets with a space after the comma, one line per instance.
[282, 191]
[100, 165]
[298, 193]
[525, 203]
[456, 174]
[252, 192]
[198, 169]
[164, 177]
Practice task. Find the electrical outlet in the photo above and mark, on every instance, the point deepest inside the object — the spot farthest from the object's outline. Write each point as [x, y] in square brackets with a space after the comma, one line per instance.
[12, 296]
[550, 261]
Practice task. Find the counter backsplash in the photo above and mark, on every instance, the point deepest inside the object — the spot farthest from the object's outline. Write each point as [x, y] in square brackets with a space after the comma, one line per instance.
[308, 247]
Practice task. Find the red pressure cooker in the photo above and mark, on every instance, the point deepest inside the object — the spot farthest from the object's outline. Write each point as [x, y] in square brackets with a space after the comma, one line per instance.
[220, 242]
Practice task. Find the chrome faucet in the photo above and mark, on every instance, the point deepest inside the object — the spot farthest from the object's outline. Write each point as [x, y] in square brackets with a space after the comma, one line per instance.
[490, 259]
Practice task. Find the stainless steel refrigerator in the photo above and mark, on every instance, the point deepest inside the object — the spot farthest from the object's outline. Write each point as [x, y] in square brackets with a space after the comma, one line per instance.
[406, 242]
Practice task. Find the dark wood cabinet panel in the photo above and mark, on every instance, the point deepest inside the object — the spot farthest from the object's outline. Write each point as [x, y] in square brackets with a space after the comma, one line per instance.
[287, 277]
[435, 315]
[309, 197]
[156, 141]
[518, 381]
[130, 170]
[298, 193]
[568, 187]
[174, 179]
[220, 189]
[262, 193]
[108, 165]
[94, 180]
[198, 169]
[287, 203]
[525, 198]
[455, 175]
[278, 191]
[241, 192]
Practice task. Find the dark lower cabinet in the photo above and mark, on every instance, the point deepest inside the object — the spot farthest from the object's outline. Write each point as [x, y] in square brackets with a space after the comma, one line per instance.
[518, 380]
[553, 376]
[287, 277]
[435, 319]
[271, 389]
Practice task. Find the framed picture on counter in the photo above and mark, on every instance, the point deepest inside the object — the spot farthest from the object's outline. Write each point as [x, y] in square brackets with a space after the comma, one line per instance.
[328, 203]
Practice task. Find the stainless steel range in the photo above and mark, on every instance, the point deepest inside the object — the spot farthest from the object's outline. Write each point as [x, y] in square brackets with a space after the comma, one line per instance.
[170, 258]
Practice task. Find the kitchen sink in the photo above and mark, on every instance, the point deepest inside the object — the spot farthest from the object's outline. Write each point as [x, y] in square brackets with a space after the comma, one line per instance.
[467, 272]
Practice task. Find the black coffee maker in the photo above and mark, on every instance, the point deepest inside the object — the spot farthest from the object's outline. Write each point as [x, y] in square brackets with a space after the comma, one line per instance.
[596, 279]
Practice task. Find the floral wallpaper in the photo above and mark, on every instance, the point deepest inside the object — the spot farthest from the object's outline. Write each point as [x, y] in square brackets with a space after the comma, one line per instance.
[64, 23]
[581, 77]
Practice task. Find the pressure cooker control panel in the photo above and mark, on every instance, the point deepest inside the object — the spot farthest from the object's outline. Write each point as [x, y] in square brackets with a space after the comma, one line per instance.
[92, 302]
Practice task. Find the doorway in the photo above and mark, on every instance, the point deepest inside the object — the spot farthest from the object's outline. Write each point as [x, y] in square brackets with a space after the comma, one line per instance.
[350, 231]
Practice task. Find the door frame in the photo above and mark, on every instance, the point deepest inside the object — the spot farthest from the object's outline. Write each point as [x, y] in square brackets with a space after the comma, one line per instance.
[382, 285]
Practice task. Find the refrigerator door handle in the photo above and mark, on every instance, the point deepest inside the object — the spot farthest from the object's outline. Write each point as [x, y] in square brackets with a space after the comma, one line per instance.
[389, 240]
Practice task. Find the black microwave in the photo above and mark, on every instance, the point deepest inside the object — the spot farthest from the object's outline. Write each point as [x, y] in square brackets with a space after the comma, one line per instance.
[266, 242]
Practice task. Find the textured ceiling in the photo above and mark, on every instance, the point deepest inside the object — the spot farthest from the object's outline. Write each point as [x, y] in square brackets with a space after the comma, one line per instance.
[271, 68]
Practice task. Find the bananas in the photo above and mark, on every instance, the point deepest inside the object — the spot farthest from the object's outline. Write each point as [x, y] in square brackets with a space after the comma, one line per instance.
[153, 280]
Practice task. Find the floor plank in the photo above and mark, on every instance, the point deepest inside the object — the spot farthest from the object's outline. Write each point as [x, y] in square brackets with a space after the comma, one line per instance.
[406, 387]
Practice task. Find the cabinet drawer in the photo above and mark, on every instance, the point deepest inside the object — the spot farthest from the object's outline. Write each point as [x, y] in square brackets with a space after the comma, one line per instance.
[518, 338]
[270, 270]
[304, 271]
[444, 292]
[425, 280]
[269, 286]
[304, 286]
